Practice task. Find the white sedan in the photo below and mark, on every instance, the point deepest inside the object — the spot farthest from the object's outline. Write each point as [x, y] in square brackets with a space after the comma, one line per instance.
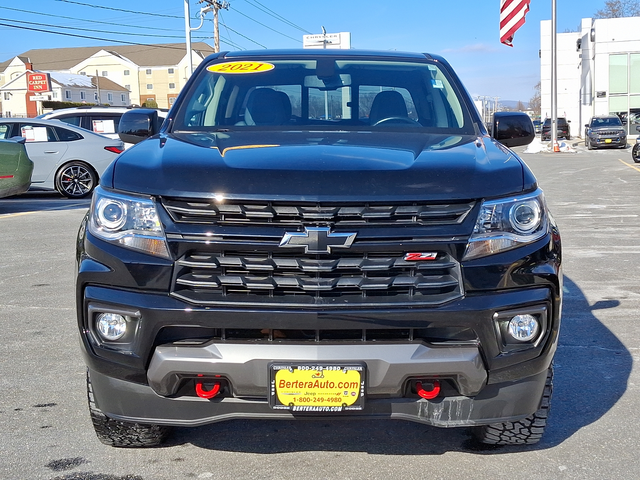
[65, 158]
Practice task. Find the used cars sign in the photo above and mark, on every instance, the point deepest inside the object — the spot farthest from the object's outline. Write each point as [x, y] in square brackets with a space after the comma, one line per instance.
[38, 82]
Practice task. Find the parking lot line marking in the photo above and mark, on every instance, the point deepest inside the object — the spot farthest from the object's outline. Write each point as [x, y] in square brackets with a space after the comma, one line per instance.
[629, 165]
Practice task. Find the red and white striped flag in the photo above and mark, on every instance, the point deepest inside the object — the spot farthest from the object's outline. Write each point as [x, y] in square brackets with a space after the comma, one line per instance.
[512, 14]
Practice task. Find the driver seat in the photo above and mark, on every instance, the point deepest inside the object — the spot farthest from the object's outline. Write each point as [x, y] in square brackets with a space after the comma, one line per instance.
[388, 103]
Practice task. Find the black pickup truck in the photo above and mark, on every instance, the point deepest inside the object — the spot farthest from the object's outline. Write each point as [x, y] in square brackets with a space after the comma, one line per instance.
[319, 233]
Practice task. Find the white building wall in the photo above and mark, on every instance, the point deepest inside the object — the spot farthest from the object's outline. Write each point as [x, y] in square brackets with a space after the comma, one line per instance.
[568, 76]
[583, 68]
[116, 69]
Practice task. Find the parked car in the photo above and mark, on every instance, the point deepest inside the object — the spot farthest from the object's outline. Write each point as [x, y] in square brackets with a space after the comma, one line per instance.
[65, 158]
[635, 151]
[103, 120]
[248, 259]
[537, 124]
[15, 167]
[563, 130]
[605, 131]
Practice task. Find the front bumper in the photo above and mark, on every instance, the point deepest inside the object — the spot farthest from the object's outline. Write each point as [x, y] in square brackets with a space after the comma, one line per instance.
[608, 141]
[142, 377]
[508, 401]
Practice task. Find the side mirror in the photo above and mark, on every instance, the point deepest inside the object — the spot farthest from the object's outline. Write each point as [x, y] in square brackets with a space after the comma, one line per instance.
[512, 129]
[138, 125]
[18, 139]
[586, 125]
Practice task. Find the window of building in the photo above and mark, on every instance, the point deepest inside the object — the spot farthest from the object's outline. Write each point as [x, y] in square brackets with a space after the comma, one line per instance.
[123, 97]
[634, 73]
[67, 94]
[149, 86]
[110, 97]
[55, 94]
[172, 100]
[126, 72]
[148, 71]
[618, 74]
[83, 73]
[95, 96]
[7, 96]
[128, 87]
[104, 73]
[172, 86]
[171, 71]
[82, 96]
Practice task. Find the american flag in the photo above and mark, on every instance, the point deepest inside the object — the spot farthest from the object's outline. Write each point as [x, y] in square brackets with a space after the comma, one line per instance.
[512, 14]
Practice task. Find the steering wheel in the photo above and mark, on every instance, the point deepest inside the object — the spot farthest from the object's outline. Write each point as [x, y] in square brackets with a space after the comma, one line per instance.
[397, 119]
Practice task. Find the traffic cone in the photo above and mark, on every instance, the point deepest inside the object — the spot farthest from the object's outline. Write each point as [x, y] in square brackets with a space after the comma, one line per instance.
[556, 147]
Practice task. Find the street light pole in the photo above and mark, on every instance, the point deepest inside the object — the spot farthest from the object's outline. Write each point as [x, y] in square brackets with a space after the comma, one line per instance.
[554, 80]
[187, 29]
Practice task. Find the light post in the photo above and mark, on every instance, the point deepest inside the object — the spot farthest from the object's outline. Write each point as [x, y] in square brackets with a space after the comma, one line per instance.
[188, 30]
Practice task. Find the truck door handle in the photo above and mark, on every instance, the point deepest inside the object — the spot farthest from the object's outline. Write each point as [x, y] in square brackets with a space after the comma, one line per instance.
[50, 151]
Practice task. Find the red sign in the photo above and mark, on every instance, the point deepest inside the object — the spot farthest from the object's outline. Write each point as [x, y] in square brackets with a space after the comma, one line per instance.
[38, 82]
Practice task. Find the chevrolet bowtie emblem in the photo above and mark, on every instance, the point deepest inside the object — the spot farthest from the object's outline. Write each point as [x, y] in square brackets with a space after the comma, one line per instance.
[317, 240]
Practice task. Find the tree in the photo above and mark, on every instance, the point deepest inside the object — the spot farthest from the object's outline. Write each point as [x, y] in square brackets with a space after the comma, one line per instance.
[619, 8]
[536, 101]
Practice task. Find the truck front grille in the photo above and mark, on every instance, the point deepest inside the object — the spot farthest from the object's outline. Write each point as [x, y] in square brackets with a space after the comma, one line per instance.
[245, 277]
[228, 213]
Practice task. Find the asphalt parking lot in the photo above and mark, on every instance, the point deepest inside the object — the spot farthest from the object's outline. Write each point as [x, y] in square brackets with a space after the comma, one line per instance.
[593, 427]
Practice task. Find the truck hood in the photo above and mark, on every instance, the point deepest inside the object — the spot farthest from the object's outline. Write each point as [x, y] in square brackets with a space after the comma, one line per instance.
[315, 166]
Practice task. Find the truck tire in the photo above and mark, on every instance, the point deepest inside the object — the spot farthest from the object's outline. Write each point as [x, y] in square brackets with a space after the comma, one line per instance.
[527, 431]
[117, 433]
[635, 153]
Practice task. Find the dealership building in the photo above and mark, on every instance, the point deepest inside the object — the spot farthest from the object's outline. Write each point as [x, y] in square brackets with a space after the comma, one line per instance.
[598, 71]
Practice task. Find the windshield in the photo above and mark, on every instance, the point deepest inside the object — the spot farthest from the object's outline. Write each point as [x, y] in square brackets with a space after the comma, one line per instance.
[324, 93]
[606, 122]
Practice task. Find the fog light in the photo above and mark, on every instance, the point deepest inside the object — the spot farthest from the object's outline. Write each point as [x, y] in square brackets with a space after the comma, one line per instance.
[524, 328]
[111, 326]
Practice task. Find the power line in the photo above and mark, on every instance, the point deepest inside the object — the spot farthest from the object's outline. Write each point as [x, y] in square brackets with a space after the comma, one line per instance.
[90, 21]
[260, 23]
[121, 9]
[160, 15]
[99, 31]
[228, 34]
[90, 38]
[268, 11]
[244, 36]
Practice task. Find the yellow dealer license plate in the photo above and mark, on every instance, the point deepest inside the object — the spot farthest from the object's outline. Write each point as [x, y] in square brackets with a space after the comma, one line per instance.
[317, 387]
[607, 140]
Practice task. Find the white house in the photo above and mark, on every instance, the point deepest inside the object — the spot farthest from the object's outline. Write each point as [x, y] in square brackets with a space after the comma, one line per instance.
[598, 71]
[65, 87]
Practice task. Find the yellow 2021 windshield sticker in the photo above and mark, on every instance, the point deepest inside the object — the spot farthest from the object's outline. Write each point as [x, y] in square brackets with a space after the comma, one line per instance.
[241, 67]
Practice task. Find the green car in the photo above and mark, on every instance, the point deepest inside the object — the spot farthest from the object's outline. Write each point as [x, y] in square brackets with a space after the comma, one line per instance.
[15, 168]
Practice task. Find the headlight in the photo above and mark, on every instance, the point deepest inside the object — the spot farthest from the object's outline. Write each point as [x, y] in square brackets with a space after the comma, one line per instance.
[508, 223]
[129, 221]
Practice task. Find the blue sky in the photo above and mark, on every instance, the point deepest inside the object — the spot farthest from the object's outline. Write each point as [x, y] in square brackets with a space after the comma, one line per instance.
[464, 32]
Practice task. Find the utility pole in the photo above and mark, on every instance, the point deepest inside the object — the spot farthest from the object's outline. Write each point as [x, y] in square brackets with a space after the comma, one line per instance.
[217, 5]
[98, 88]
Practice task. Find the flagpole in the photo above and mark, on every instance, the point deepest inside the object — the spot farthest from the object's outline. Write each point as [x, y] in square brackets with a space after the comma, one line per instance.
[554, 79]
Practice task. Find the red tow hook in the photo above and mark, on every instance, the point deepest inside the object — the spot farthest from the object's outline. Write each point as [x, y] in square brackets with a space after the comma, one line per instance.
[209, 393]
[428, 394]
